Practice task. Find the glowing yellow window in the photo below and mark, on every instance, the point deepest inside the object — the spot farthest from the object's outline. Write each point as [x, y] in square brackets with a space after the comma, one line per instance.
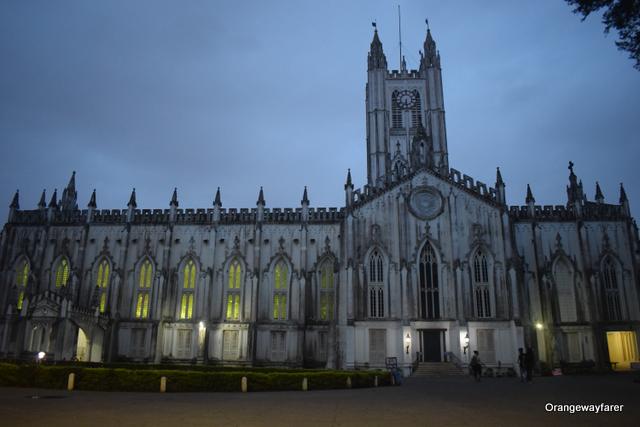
[22, 279]
[186, 306]
[62, 273]
[189, 275]
[233, 306]
[326, 291]
[235, 273]
[280, 292]
[142, 305]
[102, 281]
[145, 275]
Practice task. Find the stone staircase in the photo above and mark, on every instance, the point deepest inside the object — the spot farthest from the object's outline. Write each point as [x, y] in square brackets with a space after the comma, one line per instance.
[438, 370]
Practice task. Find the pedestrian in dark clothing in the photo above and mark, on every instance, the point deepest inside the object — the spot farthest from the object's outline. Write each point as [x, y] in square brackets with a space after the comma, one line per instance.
[476, 366]
[529, 361]
[522, 365]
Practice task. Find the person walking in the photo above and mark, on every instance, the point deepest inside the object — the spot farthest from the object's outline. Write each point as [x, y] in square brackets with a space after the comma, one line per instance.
[476, 366]
[529, 361]
[522, 364]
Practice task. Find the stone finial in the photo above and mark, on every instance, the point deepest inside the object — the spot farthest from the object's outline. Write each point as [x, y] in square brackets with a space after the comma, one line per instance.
[599, 195]
[92, 201]
[174, 198]
[132, 200]
[261, 198]
[15, 203]
[217, 201]
[42, 203]
[53, 203]
[349, 182]
[305, 198]
[499, 180]
[623, 195]
[529, 198]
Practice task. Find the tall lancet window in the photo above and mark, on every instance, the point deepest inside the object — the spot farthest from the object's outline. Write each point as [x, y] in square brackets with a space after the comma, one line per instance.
[233, 291]
[62, 273]
[376, 285]
[22, 278]
[563, 276]
[429, 284]
[145, 277]
[611, 291]
[280, 291]
[416, 114]
[481, 285]
[396, 111]
[102, 283]
[188, 289]
[326, 290]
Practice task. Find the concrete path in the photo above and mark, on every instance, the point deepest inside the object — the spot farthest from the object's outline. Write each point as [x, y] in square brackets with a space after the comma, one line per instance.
[419, 402]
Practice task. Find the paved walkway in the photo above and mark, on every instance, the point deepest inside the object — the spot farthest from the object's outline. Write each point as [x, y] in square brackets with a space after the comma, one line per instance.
[419, 402]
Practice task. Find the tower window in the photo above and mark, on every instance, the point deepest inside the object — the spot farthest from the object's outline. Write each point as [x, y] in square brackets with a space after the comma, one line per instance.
[62, 273]
[102, 283]
[611, 293]
[189, 281]
[233, 291]
[22, 278]
[376, 285]
[280, 291]
[429, 284]
[396, 112]
[481, 285]
[326, 290]
[144, 290]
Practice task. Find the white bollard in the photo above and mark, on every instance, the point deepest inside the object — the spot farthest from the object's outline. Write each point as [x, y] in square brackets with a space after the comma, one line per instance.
[348, 382]
[305, 384]
[243, 384]
[72, 381]
[163, 384]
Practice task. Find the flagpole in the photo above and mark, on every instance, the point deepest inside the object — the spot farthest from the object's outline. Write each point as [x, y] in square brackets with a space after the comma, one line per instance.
[400, 37]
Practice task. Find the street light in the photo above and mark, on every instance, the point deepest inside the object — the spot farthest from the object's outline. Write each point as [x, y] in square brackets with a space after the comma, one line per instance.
[539, 326]
[466, 343]
[407, 341]
[40, 356]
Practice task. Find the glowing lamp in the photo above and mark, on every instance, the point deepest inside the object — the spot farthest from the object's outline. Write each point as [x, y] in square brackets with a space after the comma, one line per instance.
[407, 341]
[538, 326]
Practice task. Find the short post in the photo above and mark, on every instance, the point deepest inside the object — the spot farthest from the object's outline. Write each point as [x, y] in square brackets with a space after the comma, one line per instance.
[163, 384]
[71, 382]
[243, 384]
[348, 382]
[375, 381]
[305, 384]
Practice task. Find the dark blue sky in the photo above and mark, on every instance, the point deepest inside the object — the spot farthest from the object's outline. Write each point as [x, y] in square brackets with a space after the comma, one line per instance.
[201, 94]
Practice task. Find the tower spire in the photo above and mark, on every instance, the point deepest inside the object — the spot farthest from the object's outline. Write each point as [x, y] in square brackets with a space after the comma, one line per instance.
[623, 194]
[53, 203]
[70, 195]
[43, 203]
[132, 200]
[217, 201]
[15, 203]
[92, 201]
[529, 198]
[376, 58]
[260, 198]
[599, 195]
[305, 198]
[174, 198]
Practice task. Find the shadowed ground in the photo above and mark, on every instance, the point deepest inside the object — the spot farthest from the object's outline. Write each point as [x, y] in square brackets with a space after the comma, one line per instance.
[419, 402]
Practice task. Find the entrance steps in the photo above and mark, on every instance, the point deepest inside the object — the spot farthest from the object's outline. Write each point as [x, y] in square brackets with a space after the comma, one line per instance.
[438, 370]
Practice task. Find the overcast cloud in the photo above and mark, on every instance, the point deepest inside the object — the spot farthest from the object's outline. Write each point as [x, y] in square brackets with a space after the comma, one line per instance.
[239, 94]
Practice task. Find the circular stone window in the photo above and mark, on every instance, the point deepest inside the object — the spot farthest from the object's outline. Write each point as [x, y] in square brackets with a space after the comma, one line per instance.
[425, 202]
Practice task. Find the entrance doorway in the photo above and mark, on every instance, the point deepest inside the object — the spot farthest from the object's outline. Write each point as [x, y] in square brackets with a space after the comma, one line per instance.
[623, 349]
[82, 349]
[432, 345]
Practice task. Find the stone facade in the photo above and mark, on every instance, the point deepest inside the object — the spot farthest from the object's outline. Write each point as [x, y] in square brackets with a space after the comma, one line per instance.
[422, 264]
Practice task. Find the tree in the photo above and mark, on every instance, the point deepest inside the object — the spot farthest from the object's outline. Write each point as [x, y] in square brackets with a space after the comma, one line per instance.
[622, 15]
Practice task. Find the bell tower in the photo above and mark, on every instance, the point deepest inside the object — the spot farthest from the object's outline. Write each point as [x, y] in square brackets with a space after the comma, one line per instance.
[405, 115]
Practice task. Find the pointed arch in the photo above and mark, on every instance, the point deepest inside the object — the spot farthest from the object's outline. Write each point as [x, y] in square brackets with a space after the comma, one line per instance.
[281, 275]
[429, 280]
[61, 272]
[376, 283]
[563, 276]
[611, 280]
[327, 289]
[396, 112]
[416, 110]
[102, 279]
[144, 287]
[187, 277]
[481, 284]
[22, 271]
[234, 289]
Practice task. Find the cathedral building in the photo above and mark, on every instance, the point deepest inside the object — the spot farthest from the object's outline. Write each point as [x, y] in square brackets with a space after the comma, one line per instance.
[423, 264]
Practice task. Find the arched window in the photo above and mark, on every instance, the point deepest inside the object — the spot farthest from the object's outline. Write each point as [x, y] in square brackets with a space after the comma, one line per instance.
[481, 285]
[396, 112]
[611, 291]
[280, 291]
[102, 283]
[565, 291]
[416, 115]
[429, 284]
[145, 277]
[376, 285]
[188, 288]
[22, 278]
[62, 273]
[326, 290]
[233, 291]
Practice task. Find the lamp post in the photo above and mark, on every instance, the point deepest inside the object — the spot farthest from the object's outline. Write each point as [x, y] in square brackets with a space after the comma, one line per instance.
[466, 343]
[41, 355]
